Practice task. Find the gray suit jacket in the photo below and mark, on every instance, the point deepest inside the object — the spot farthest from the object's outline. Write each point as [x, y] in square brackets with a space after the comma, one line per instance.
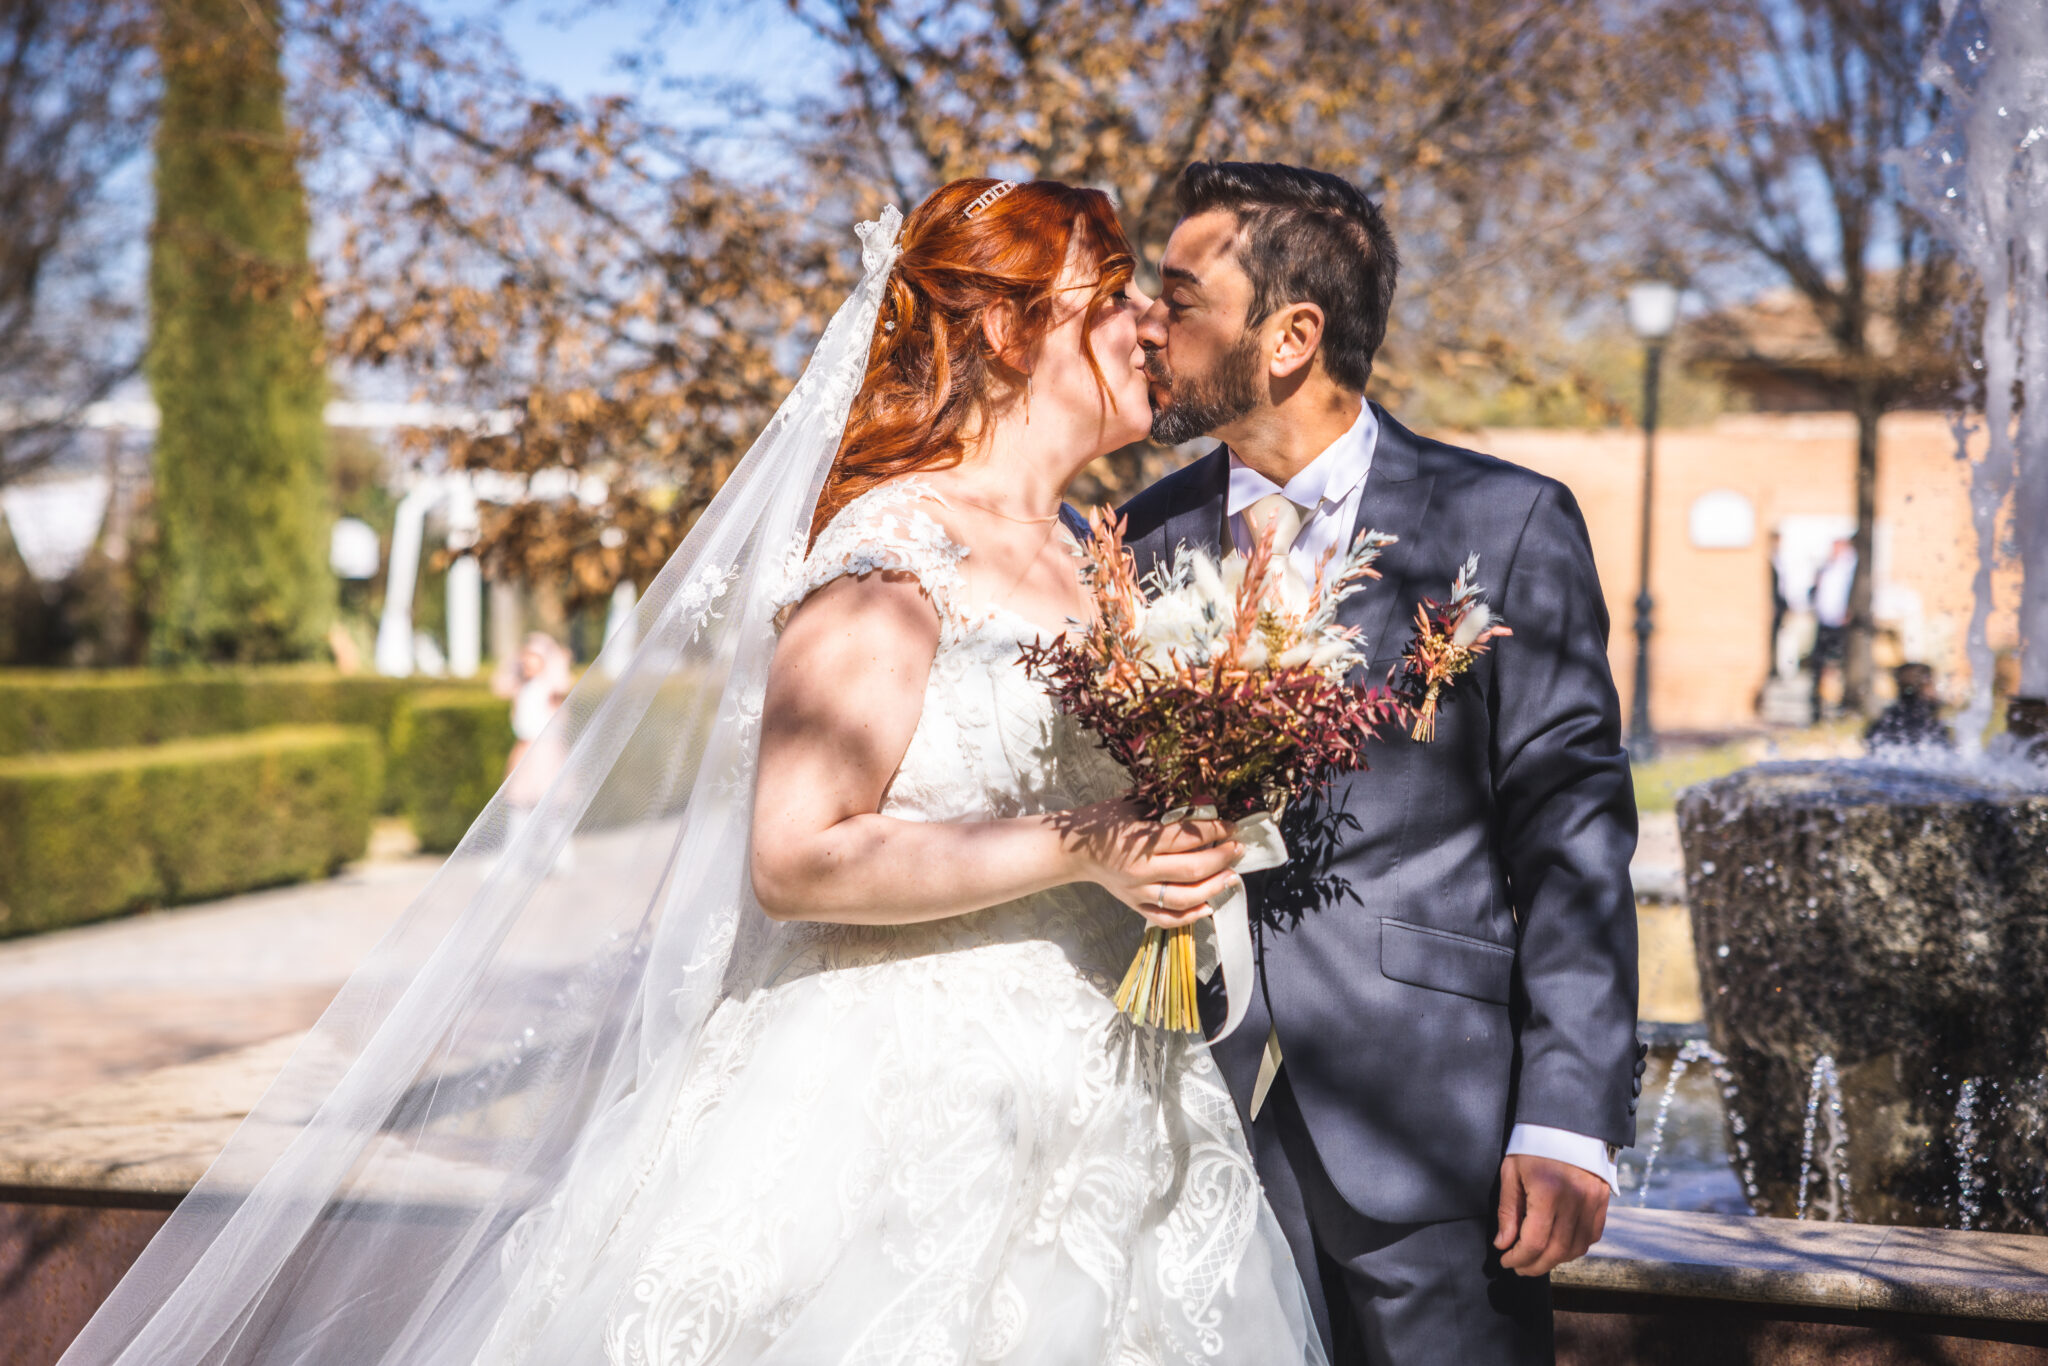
[1452, 949]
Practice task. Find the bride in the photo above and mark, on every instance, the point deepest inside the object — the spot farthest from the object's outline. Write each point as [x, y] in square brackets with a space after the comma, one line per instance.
[813, 1058]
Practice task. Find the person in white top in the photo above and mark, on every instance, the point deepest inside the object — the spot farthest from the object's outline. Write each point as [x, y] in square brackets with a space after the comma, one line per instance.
[1832, 587]
[539, 677]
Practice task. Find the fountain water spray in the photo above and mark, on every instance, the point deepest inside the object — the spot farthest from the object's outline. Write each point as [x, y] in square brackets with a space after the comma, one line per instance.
[1981, 177]
[1833, 1158]
[1969, 1184]
[1690, 1052]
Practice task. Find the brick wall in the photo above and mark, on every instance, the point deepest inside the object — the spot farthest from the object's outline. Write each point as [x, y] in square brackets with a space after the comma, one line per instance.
[1710, 650]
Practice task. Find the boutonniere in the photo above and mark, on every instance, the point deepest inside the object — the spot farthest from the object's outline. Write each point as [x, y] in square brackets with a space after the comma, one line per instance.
[1449, 636]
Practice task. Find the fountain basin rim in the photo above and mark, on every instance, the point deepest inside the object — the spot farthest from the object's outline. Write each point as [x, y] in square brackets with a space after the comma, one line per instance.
[143, 1143]
[1841, 783]
[1851, 1268]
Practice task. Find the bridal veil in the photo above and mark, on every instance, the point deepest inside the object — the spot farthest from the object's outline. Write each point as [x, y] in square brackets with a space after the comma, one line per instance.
[516, 1013]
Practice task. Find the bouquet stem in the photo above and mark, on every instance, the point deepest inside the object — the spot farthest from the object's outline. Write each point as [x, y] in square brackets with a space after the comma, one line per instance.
[1425, 715]
[1159, 990]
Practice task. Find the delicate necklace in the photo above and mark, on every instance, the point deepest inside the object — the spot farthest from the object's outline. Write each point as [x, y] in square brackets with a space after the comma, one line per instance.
[1022, 521]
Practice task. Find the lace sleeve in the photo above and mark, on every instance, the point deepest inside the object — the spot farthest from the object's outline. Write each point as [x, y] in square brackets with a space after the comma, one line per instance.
[885, 529]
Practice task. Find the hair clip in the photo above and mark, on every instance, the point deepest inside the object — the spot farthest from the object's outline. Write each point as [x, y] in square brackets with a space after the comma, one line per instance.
[988, 197]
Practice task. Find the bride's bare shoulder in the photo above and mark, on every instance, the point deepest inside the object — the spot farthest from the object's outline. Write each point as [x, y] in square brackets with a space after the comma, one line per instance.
[851, 617]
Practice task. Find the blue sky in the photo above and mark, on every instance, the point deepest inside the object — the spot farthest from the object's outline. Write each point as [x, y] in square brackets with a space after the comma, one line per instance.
[576, 45]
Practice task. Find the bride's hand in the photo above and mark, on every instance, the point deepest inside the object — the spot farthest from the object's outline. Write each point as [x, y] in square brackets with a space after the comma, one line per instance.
[1166, 873]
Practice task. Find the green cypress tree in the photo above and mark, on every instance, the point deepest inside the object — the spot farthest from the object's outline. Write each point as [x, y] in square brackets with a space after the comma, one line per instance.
[234, 351]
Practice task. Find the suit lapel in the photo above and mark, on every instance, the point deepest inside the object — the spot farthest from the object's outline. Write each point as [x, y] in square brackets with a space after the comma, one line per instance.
[1396, 499]
[1199, 521]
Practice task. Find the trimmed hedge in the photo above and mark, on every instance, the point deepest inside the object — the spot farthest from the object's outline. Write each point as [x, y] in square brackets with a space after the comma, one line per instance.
[52, 711]
[89, 835]
[448, 753]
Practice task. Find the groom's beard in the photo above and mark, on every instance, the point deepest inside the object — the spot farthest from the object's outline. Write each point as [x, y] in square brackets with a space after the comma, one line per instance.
[1197, 404]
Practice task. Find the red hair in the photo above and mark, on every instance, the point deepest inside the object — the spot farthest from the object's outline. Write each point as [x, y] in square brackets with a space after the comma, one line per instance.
[929, 366]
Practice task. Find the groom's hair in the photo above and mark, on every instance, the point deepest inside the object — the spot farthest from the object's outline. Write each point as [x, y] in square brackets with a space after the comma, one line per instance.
[1306, 237]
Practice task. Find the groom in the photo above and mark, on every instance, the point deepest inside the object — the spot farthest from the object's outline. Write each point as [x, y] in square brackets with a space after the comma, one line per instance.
[1440, 1063]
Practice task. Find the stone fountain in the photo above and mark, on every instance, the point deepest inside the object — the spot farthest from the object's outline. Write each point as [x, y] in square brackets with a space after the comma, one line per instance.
[1873, 937]
[1873, 953]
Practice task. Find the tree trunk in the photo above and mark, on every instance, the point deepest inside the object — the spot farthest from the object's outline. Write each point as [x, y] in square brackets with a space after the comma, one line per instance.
[1859, 670]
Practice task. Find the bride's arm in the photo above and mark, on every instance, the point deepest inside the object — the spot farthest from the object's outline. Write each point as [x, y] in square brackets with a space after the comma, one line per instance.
[844, 695]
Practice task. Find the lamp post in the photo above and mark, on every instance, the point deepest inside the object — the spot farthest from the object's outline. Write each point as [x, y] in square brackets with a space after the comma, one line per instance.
[1652, 313]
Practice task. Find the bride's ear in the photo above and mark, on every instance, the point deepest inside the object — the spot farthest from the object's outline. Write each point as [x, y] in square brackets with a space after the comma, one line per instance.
[999, 325]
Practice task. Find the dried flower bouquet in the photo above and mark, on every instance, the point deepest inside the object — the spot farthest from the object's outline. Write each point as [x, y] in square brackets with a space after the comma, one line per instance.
[1221, 687]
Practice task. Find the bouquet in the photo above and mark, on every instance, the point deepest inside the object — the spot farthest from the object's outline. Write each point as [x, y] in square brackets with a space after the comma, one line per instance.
[1222, 688]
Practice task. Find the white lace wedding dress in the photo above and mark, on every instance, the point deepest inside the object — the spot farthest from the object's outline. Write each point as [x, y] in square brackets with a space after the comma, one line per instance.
[929, 1143]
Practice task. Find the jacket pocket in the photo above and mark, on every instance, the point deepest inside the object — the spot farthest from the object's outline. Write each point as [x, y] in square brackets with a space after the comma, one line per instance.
[1442, 961]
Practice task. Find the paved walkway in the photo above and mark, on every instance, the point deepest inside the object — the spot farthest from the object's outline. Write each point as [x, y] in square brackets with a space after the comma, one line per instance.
[103, 1002]
[94, 1004]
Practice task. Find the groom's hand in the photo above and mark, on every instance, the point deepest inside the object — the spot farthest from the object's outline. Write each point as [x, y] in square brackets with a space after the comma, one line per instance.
[1550, 1213]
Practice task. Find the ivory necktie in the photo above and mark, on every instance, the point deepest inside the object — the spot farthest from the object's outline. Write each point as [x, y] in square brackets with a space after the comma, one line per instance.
[1279, 514]
[1283, 517]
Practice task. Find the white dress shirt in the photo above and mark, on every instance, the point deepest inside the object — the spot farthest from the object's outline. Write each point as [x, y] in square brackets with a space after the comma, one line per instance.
[1831, 589]
[1328, 490]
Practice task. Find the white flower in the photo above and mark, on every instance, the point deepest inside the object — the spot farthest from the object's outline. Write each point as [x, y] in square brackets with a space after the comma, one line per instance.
[1216, 588]
[1335, 656]
[1473, 626]
[1173, 623]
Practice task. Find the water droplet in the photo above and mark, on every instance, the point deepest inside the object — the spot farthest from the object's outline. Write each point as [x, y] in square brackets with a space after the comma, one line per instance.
[1721, 952]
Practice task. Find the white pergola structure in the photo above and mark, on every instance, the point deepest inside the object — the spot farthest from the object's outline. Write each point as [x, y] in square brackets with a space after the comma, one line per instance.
[456, 492]
[56, 519]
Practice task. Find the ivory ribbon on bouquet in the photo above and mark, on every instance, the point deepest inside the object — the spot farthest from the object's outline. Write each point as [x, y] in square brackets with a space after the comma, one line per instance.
[1230, 921]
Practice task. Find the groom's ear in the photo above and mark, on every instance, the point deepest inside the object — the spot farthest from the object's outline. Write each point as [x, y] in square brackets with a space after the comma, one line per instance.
[1293, 336]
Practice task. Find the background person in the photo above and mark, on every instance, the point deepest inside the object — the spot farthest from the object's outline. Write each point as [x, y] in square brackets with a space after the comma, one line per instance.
[1830, 596]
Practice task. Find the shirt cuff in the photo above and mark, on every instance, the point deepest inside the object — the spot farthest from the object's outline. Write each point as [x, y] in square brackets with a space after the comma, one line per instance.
[1561, 1145]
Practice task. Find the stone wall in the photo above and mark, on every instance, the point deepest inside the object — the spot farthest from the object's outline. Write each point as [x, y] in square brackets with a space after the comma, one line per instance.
[57, 1263]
